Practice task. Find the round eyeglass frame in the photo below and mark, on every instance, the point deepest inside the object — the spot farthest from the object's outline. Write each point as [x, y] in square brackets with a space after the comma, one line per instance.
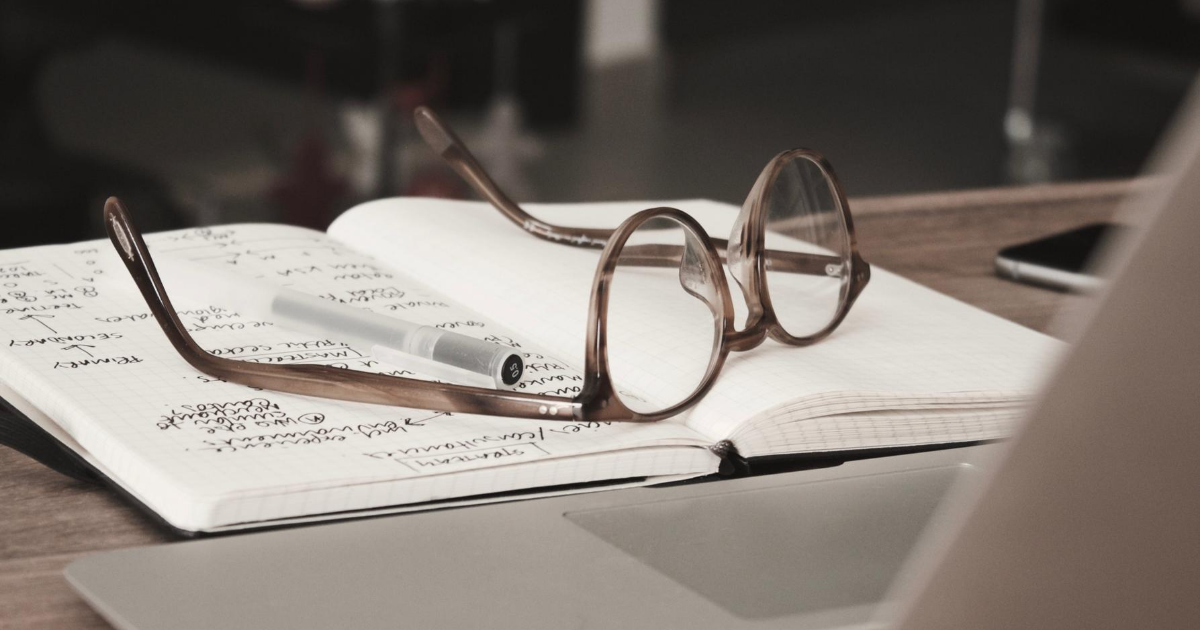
[597, 400]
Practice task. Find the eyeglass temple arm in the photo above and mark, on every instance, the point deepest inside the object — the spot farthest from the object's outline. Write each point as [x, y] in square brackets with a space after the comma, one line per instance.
[314, 380]
[442, 139]
[656, 255]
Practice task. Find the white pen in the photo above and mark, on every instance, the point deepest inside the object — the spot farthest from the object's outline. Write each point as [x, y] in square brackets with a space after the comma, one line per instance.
[438, 353]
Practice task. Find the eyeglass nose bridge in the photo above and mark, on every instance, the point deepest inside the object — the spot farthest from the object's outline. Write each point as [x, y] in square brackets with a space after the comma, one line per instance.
[748, 338]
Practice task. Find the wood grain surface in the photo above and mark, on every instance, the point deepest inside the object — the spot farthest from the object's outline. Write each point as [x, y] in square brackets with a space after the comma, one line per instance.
[945, 241]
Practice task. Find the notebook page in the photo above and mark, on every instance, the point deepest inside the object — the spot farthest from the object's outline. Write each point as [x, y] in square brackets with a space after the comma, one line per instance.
[903, 346]
[548, 478]
[83, 349]
[888, 428]
[901, 341]
[537, 288]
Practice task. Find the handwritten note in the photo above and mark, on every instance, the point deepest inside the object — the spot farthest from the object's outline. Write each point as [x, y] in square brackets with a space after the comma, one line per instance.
[81, 345]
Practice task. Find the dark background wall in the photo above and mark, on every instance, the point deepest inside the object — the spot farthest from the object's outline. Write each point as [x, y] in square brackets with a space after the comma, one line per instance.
[226, 110]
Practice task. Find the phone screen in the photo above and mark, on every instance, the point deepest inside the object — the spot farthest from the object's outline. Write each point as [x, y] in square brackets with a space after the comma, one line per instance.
[1066, 251]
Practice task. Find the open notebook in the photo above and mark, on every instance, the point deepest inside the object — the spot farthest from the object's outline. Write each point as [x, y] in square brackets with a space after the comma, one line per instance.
[908, 367]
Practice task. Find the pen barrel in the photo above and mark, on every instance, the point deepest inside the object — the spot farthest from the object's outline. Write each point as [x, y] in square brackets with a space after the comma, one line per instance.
[365, 329]
[471, 354]
[357, 327]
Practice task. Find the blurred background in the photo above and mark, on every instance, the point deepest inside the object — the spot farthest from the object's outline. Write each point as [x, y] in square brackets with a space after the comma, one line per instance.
[214, 111]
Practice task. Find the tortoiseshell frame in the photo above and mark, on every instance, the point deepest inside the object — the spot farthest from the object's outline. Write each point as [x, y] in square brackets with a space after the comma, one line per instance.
[597, 400]
[317, 380]
[746, 254]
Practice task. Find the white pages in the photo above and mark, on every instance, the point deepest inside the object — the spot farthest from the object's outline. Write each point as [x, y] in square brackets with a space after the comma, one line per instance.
[908, 366]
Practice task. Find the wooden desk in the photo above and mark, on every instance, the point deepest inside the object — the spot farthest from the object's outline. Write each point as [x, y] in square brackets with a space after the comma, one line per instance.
[945, 241]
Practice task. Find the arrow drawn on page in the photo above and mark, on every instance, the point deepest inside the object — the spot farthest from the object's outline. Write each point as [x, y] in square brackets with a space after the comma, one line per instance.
[38, 318]
[80, 347]
[421, 422]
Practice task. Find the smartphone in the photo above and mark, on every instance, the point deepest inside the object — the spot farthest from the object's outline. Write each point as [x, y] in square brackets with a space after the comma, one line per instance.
[1059, 261]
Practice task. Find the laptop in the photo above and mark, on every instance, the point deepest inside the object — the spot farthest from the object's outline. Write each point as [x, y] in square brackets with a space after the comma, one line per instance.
[1087, 519]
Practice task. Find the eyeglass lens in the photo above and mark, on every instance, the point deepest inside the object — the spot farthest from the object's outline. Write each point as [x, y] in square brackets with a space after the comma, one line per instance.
[804, 215]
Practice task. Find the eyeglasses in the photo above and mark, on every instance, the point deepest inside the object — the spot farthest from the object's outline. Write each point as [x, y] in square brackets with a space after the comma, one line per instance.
[661, 318]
